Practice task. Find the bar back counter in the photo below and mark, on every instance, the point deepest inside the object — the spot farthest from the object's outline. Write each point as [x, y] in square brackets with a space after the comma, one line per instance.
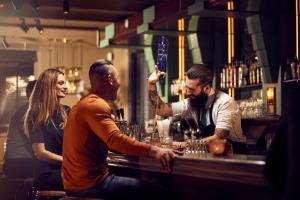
[199, 176]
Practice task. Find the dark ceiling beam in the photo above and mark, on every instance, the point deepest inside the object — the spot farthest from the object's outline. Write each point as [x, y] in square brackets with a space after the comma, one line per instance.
[91, 11]
[85, 28]
[85, 14]
[165, 12]
[123, 33]
[170, 11]
[200, 9]
[59, 15]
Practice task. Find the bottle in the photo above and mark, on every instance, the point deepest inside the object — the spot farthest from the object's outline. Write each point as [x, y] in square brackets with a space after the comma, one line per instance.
[298, 70]
[287, 72]
[230, 75]
[258, 77]
[227, 76]
[162, 54]
[240, 74]
[224, 76]
[250, 73]
[254, 67]
[221, 79]
[293, 66]
[261, 75]
[235, 70]
[245, 72]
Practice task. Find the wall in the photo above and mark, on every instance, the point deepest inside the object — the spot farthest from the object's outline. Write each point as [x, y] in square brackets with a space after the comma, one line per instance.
[69, 54]
[90, 55]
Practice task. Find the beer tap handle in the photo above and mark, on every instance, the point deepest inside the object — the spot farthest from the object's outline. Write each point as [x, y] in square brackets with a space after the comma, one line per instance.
[122, 113]
[118, 114]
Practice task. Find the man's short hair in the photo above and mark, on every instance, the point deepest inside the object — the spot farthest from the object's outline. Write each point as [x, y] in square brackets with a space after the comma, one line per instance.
[29, 88]
[201, 72]
[100, 68]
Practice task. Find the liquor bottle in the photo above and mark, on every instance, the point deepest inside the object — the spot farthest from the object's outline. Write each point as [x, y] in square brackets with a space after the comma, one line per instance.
[293, 66]
[235, 75]
[258, 77]
[261, 75]
[298, 70]
[162, 53]
[230, 74]
[227, 76]
[224, 76]
[250, 73]
[254, 66]
[240, 74]
[287, 72]
[221, 79]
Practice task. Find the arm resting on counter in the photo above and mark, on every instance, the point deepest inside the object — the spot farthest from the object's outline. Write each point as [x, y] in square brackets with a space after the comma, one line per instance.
[219, 134]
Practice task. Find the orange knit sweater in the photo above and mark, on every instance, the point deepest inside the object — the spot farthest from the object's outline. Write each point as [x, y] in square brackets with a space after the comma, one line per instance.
[89, 133]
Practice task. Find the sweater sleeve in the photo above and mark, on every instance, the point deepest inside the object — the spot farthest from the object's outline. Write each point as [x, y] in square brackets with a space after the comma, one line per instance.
[98, 118]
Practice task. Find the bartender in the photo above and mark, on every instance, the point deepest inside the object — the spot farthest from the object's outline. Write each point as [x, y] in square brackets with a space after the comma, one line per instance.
[215, 113]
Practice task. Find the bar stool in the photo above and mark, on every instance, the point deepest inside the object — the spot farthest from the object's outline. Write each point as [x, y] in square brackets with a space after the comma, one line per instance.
[21, 187]
[49, 194]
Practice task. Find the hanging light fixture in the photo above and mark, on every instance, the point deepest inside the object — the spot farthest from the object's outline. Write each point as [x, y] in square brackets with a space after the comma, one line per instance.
[38, 26]
[23, 25]
[66, 7]
[35, 4]
[1, 4]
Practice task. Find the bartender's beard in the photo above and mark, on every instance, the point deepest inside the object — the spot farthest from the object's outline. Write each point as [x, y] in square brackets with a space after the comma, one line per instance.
[199, 101]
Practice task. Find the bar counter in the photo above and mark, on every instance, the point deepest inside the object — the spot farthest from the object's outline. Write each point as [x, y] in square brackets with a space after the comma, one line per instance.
[212, 176]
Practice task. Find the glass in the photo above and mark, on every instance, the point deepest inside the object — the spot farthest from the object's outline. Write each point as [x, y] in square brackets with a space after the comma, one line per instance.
[251, 108]
[166, 142]
[196, 146]
[155, 140]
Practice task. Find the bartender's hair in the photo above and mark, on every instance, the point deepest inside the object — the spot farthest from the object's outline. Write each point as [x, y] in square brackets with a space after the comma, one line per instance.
[201, 72]
[99, 69]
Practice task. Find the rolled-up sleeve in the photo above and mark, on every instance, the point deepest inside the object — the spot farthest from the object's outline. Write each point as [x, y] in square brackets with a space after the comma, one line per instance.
[226, 114]
[179, 107]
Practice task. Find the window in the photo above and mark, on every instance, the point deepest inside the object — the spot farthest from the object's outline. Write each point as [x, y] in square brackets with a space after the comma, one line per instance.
[13, 96]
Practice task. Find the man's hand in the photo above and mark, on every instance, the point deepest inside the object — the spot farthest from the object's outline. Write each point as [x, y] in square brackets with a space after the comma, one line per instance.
[165, 156]
[154, 77]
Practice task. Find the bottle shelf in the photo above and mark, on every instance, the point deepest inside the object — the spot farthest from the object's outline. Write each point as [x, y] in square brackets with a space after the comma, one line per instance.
[246, 87]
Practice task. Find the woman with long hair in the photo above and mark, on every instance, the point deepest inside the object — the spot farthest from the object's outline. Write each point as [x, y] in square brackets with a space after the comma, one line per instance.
[44, 123]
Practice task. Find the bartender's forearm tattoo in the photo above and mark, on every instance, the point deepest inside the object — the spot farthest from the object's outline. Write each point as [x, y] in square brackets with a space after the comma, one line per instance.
[156, 101]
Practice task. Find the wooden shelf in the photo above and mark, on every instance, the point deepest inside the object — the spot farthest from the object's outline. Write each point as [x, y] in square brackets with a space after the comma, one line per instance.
[245, 87]
[291, 81]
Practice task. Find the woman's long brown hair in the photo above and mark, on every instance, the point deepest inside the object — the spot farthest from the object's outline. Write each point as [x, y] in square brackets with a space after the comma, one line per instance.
[43, 102]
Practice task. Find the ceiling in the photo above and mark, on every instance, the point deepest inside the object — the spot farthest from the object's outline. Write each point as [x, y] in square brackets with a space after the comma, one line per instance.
[80, 10]
[84, 18]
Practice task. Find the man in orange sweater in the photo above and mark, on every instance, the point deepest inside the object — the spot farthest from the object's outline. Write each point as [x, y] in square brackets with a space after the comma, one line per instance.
[90, 132]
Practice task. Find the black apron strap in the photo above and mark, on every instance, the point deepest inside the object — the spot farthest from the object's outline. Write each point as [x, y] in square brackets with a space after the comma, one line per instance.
[211, 121]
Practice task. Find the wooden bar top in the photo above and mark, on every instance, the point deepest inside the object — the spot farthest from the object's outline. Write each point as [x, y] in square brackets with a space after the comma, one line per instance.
[247, 169]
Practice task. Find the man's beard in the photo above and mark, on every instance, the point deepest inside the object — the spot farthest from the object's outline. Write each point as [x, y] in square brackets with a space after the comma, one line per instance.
[199, 101]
